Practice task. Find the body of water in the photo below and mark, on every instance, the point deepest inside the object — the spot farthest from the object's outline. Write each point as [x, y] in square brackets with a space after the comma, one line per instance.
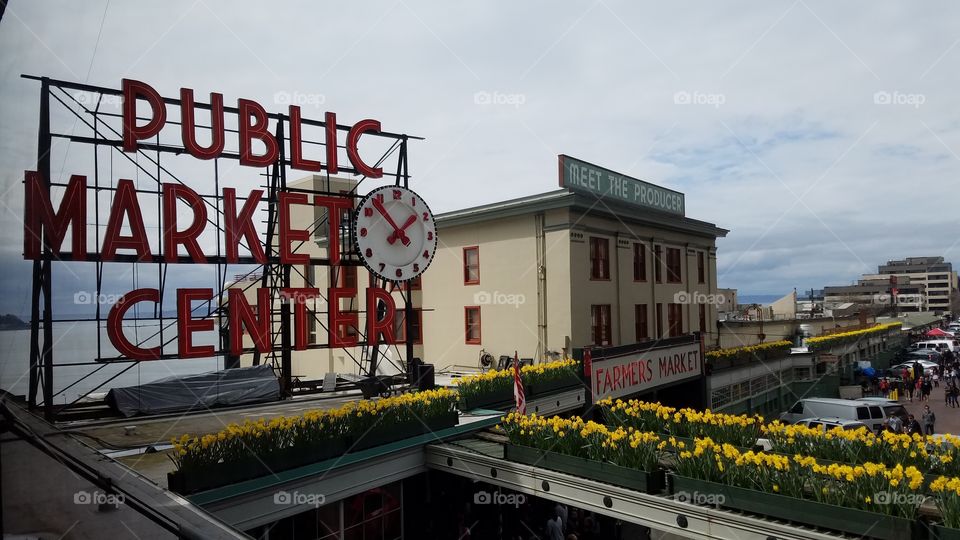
[77, 342]
[762, 299]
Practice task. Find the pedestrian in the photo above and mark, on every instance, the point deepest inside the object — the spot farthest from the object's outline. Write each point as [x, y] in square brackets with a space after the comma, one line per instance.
[884, 388]
[926, 388]
[955, 395]
[948, 392]
[910, 387]
[936, 380]
[554, 527]
[913, 426]
[928, 420]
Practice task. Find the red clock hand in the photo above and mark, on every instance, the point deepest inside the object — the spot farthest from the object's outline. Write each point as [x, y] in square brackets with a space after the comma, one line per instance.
[400, 234]
[383, 211]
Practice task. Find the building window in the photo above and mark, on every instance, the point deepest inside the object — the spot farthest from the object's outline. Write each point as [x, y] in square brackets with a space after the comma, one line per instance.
[701, 268]
[675, 319]
[639, 262]
[311, 327]
[400, 329]
[471, 321]
[643, 328]
[346, 277]
[673, 265]
[659, 319]
[471, 265]
[600, 324]
[658, 263]
[415, 284]
[599, 258]
[703, 317]
[347, 330]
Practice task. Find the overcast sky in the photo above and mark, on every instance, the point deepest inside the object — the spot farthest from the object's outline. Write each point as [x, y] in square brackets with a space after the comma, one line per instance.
[825, 136]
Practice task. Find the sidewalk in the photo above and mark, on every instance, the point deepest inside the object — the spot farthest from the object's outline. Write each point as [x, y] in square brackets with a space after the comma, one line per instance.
[948, 418]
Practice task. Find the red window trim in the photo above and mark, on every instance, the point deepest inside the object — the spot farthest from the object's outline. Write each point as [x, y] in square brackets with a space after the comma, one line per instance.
[466, 326]
[678, 278]
[646, 322]
[639, 270]
[605, 332]
[465, 273]
[401, 329]
[598, 266]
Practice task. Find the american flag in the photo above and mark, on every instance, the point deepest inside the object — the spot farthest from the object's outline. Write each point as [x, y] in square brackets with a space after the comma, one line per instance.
[518, 395]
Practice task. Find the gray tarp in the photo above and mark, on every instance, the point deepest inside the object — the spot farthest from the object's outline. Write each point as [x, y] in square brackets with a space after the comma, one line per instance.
[205, 390]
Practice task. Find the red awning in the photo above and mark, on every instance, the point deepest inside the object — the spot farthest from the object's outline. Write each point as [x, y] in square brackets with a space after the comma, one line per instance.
[936, 332]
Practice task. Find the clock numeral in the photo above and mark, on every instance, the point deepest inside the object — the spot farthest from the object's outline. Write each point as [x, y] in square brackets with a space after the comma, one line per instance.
[426, 254]
[430, 235]
[382, 266]
[416, 267]
[413, 201]
[397, 194]
[368, 252]
[426, 216]
[379, 197]
[399, 272]
[363, 231]
[367, 212]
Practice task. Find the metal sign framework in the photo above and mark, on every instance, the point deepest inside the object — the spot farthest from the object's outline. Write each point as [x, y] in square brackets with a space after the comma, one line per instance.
[101, 132]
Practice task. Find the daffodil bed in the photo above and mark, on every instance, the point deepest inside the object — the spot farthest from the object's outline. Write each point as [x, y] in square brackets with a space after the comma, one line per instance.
[495, 387]
[931, 455]
[841, 338]
[762, 351]
[868, 493]
[621, 456]
[739, 430]
[258, 448]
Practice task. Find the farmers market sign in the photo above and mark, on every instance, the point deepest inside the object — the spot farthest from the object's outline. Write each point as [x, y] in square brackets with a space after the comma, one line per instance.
[636, 372]
[583, 177]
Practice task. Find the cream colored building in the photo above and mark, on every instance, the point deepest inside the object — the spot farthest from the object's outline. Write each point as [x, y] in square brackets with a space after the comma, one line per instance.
[538, 275]
[562, 270]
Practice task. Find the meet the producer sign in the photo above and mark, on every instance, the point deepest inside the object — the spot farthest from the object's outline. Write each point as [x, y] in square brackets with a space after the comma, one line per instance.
[643, 371]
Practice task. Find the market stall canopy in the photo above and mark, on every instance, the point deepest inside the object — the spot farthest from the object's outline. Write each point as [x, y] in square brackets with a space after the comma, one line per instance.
[937, 332]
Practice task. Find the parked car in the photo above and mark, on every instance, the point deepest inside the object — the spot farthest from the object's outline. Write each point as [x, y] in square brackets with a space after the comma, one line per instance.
[870, 413]
[936, 344]
[928, 367]
[830, 422]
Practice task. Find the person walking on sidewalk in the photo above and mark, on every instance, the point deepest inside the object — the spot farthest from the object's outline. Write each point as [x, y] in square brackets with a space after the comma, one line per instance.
[928, 420]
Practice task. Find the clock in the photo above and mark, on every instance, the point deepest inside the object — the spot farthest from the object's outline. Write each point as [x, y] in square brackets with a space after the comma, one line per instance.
[395, 233]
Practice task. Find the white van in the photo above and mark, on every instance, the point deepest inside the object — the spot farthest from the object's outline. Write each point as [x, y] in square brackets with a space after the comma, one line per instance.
[871, 413]
[951, 344]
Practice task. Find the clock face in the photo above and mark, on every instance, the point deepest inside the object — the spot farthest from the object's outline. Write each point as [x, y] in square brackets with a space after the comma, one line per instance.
[395, 233]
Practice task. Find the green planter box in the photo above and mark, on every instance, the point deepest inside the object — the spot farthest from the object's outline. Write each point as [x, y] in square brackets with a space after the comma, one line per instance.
[939, 532]
[635, 479]
[550, 387]
[223, 474]
[501, 399]
[827, 516]
[388, 431]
